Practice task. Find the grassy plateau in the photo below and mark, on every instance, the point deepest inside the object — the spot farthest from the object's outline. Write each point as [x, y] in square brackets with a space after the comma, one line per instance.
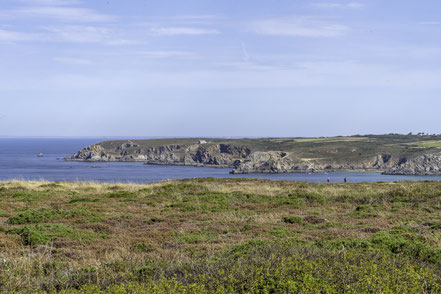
[220, 236]
[335, 150]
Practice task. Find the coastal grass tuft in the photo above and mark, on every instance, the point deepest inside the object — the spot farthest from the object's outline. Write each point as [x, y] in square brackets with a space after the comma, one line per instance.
[220, 236]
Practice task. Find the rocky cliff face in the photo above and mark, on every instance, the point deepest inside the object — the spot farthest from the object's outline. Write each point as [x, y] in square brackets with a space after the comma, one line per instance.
[427, 164]
[220, 155]
[281, 162]
[242, 160]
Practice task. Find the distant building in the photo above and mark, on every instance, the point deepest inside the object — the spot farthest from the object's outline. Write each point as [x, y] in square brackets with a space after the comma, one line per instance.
[202, 142]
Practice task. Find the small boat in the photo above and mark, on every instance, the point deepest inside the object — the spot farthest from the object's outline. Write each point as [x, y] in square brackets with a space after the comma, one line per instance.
[40, 155]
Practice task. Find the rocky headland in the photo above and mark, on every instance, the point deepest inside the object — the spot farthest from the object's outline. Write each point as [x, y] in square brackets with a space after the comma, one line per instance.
[375, 153]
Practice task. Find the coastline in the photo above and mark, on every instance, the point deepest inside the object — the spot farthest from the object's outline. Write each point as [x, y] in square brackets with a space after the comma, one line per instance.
[387, 154]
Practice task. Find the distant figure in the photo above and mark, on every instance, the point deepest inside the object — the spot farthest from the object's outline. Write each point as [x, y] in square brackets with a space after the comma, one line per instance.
[346, 180]
[329, 180]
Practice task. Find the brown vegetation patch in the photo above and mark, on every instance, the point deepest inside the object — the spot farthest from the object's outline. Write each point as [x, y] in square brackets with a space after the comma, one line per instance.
[313, 219]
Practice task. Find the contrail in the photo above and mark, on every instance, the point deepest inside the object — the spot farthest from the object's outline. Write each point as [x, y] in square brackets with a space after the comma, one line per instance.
[245, 52]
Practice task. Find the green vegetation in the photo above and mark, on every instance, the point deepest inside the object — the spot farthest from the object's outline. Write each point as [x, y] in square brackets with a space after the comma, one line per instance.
[332, 150]
[43, 234]
[293, 220]
[31, 216]
[220, 236]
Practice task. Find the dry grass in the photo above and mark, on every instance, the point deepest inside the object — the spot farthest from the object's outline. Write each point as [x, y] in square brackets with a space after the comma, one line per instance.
[183, 219]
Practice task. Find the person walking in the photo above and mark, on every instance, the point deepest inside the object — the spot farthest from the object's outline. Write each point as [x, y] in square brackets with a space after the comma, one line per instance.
[329, 180]
[346, 180]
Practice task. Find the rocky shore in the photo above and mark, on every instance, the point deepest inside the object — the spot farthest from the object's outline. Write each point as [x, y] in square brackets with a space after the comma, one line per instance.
[243, 159]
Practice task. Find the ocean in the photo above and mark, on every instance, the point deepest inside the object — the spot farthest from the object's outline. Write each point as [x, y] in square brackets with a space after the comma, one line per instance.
[19, 161]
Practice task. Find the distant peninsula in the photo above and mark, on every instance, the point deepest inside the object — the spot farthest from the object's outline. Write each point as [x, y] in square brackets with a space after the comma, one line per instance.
[390, 154]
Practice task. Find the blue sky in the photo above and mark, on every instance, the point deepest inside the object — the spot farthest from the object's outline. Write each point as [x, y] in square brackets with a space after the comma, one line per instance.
[219, 68]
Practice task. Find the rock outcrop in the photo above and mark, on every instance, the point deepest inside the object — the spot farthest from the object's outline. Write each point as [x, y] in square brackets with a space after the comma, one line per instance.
[242, 159]
[220, 155]
[427, 164]
[281, 162]
[265, 162]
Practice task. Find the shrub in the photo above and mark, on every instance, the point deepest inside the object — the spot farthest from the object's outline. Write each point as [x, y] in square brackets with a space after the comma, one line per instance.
[122, 194]
[31, 216]
[292, 220]
[42, 234]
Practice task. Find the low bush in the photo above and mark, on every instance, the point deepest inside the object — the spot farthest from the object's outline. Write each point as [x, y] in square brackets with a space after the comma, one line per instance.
[42, 234]
[292, 220]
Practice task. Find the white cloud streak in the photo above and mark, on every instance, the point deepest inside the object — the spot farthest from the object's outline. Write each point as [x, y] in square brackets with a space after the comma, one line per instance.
[350, 5]
[311, 74]
[86, 34]
[62, 14]
[72, 60]
[13, 37]
[430, 23]
[166, 54]
[49, 2]
[172, 31]
[299, 27]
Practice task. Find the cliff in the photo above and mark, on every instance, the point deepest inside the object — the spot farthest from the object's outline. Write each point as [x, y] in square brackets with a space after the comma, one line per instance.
[219, 155]
[389, 154]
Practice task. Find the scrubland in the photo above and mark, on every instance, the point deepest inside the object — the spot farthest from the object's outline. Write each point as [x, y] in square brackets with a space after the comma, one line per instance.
[220, 236]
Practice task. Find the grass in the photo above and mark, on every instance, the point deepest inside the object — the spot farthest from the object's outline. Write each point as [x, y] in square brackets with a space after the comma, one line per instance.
[220, 236]
[324, 150]
[43, 234]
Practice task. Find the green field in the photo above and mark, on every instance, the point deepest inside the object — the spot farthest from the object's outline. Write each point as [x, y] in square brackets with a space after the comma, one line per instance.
[332, 150]
[220, 236]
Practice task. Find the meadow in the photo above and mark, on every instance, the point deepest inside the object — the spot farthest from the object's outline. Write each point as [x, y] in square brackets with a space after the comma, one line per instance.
[220, 236]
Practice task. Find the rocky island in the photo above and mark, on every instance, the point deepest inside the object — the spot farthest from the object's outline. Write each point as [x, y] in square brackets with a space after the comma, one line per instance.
[389, 154]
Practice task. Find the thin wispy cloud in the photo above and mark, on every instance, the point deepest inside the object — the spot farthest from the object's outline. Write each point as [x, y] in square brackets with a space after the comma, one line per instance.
[198, 17]
[246, 56]
[49, 2]
[430, 23]
[58, 13]
[244, 75]
[166, 54]
[73, 60]
[13, 37]
[185, 20]
[86, 34]
[172, 31]
[245, 66]
[349, 5]
[79, 34]
[201, 19]
[299, 27]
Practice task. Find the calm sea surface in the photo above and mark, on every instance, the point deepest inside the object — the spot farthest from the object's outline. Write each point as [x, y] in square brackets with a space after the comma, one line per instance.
[18, 160]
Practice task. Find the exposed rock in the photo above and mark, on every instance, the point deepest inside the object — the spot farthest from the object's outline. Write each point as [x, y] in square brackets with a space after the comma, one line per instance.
[244, 160]
[265, 162]
[221, 155]
[281, 162]
[427, 164]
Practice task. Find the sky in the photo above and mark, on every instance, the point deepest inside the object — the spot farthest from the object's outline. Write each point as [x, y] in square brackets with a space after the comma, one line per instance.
[248, 68]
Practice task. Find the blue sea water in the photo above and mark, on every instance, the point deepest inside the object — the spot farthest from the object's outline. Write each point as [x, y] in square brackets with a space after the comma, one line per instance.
[19, 161]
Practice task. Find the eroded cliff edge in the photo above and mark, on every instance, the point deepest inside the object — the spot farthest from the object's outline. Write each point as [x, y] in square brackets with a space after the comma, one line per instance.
[396, 155]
